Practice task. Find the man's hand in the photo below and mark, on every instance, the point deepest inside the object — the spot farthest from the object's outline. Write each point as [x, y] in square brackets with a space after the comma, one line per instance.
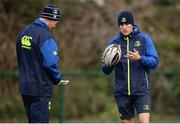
[133, 55]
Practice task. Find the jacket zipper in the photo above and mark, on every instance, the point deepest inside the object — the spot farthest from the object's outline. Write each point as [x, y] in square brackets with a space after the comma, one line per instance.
[128, 64]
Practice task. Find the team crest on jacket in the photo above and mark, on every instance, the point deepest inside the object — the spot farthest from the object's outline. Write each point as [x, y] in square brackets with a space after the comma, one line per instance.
[26, 42]
[55, 53]
[137, 43]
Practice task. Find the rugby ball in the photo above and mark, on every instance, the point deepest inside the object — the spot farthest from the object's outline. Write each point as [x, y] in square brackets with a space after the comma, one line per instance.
[112, 55]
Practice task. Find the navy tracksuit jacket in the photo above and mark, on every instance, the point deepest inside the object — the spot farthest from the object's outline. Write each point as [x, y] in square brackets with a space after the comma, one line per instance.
[133, 77]
[37, 55]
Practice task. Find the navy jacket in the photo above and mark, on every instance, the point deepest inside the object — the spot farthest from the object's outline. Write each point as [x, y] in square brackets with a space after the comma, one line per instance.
[133, 77]
[37, 55]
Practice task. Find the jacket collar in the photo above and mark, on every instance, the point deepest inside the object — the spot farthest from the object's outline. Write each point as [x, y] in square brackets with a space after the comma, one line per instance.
[39, 22]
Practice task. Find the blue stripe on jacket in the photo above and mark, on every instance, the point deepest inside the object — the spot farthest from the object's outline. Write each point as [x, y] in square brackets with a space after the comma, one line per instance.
[49, 52]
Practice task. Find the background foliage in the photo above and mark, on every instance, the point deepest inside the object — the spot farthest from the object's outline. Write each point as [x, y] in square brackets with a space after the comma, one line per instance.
[81, 35]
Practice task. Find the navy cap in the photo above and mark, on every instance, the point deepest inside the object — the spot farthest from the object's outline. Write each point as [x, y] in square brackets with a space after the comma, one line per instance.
[51, 12]
[125, 17]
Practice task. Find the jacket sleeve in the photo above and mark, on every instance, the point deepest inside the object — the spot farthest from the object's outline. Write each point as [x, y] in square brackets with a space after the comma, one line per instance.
[106, 70]
[49, 51]
[150, 59]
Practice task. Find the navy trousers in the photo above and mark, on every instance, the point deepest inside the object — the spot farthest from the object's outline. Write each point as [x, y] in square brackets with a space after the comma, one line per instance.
[37, 108]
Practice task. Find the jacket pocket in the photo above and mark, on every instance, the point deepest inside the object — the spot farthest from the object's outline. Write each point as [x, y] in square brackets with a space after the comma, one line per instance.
[146, 78]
